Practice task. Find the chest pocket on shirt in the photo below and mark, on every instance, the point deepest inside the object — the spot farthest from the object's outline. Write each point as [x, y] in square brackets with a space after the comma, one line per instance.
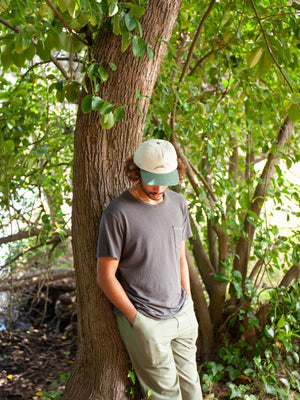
[177, 236]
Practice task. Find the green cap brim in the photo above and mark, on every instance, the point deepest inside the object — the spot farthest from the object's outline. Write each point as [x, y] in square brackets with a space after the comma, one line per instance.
[170, 179]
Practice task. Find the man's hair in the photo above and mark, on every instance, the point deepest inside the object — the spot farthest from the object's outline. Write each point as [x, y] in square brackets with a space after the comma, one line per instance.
[132, 171]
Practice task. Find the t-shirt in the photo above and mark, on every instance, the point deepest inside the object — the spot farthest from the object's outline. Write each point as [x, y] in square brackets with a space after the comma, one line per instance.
[146, 239]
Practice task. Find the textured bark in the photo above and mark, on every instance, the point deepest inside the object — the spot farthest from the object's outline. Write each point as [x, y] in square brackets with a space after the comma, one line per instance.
[101, 365]
[205, 342]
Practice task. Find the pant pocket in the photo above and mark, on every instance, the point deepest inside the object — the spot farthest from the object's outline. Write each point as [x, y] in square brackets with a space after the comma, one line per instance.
[150, 343]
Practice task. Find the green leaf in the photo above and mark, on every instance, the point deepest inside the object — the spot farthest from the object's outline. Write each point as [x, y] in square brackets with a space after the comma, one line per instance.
[65, 42]
[107, 121]
[106, 108]
[60, 95]
[294, 113]
[43, 10]
[139, 28]
[3, 5]
[112, 9]
[9, 145]
[29, 53]
[138, 11]
[295, 97]
[42, 51]
[150, 52]
[23, 41]
[6, 59]
[63, 5]
[97, 103]
[71, 7]
[72, 92]
[139, 46]
[18, 59]
[220, 277]
[130, 21]
[92, 70]
[254, 56]
[86, 104]
[126, 40]
[103, 74]
[116, 25]
[119, 113]
[281, 322]
[264, 64]
[112, 66]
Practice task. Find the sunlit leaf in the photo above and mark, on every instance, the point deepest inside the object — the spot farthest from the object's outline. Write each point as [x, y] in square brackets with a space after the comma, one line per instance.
[294, 113]
[126, 40]
[107, 121]
[119, 113]
[254, 56]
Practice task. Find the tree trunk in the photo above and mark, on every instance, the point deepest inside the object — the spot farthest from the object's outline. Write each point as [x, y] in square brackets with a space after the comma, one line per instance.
[101, 365]
[205, 343]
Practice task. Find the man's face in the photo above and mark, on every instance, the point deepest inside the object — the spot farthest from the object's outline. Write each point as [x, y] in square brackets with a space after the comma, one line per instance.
[155, 193]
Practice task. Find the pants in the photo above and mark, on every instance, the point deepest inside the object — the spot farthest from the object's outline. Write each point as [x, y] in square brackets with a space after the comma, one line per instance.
[163, 354]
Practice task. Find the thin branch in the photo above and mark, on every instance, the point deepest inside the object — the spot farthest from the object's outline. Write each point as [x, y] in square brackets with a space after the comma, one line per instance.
[223, 46]
[292, 274]
[269, 47]
[200, 27]
[26, 235]
[68, 27]
[205, 183]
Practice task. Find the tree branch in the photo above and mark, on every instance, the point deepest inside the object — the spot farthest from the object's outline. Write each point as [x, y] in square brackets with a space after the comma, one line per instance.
[69, 28]
[26, 235]
[269, 47]
[196, 37]
[292, 274]
[223, 46]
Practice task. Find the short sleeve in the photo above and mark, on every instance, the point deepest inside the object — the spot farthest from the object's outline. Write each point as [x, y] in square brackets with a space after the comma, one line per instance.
[110, 238]
[187, 231]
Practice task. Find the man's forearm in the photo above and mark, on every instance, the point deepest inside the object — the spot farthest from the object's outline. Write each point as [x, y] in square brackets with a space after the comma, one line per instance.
[116, 294]
[106, 278]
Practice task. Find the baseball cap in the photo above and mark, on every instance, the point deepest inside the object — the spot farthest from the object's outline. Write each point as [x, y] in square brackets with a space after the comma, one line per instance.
[157, 160]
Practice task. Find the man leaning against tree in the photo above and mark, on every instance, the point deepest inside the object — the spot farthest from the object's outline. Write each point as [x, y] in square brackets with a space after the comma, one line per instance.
[143, 271]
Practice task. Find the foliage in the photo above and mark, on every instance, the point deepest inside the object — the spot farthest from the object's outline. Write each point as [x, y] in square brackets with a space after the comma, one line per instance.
[273, 367]
[226, 99]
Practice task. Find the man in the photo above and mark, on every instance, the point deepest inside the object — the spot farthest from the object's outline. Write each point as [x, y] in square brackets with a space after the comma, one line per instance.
[142, 269]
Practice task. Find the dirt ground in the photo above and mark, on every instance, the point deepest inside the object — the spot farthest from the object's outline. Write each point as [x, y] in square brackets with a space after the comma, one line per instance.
[31, 360]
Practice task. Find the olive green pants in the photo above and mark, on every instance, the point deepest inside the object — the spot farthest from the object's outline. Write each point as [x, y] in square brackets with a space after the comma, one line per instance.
[163, 354]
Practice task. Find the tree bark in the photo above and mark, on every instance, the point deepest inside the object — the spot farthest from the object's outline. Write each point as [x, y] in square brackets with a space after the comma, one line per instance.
[205, 341]
[101, 365]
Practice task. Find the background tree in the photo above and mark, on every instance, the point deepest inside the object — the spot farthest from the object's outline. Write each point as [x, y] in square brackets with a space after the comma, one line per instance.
[226, 96]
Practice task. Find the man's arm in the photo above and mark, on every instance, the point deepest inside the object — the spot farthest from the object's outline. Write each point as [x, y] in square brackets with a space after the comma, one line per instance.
[106, 278]
[184, 269]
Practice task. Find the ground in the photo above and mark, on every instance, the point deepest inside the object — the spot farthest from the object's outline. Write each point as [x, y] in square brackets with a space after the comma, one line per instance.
[36, 358]
[34, 362]
[31, 360]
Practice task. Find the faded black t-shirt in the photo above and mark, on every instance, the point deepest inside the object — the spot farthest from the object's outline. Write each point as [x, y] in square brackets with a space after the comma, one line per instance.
[146, 239]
